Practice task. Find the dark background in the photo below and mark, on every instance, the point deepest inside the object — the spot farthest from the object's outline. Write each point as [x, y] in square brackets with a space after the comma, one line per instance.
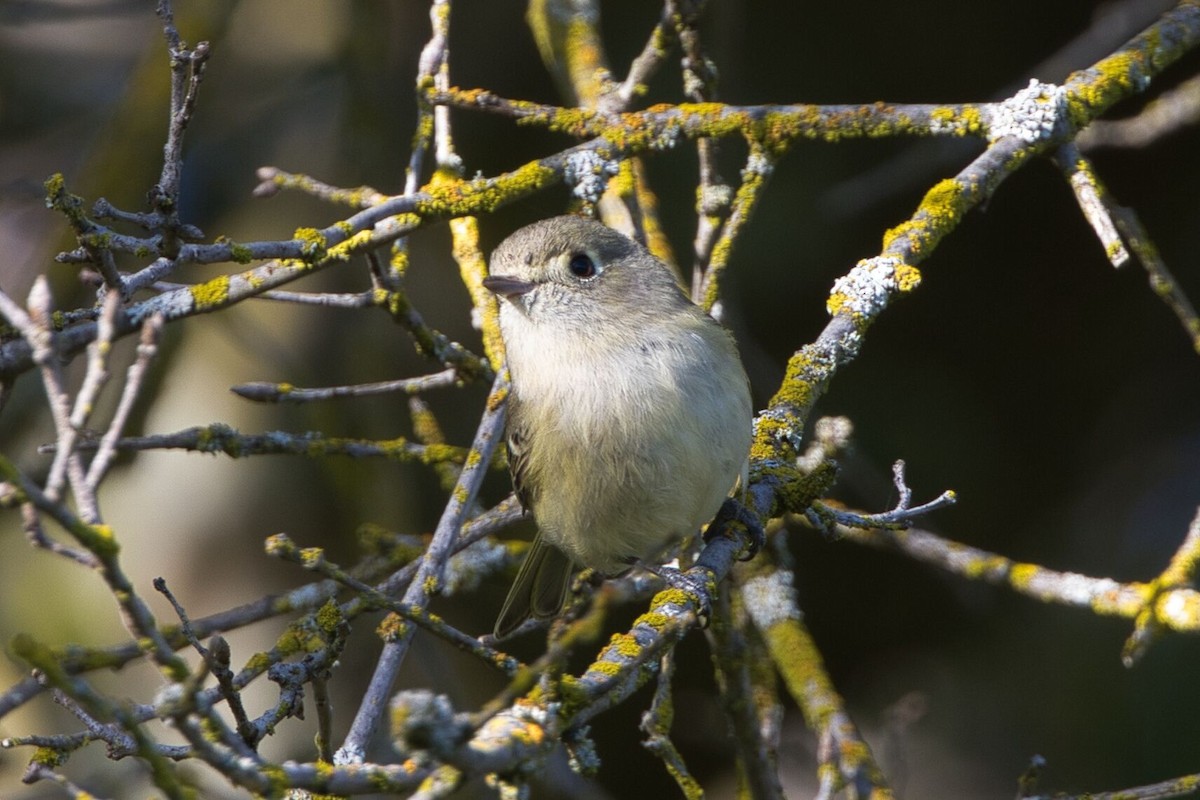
[1056, 395]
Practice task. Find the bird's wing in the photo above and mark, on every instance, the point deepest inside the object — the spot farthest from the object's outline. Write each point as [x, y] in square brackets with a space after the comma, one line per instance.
[540, 589]
[517, 441]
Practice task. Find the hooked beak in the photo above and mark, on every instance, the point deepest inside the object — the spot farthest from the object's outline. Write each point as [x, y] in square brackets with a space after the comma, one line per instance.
[506, 287]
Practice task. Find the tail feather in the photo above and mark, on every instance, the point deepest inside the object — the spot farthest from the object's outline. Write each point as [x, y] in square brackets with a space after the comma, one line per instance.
[540, 589]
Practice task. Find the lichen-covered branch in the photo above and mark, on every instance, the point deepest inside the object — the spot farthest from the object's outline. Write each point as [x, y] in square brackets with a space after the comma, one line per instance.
[733, 648]
[1169, 602]
[220, 438]
[845, 759]
[757, 632]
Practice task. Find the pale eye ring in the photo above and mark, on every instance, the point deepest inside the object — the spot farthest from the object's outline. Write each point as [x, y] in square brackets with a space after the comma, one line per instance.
[581, 265]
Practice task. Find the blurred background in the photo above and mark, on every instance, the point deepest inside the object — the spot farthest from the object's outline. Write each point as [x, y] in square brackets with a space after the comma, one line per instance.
[1059, 397]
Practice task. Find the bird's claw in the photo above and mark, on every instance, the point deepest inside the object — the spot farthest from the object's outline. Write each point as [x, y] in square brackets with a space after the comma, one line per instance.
[732, 512]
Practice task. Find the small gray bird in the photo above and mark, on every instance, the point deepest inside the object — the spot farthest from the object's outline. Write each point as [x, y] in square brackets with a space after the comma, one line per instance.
[629, 416]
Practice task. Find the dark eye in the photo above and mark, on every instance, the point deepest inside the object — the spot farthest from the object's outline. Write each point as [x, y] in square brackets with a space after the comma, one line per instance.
[582, 266]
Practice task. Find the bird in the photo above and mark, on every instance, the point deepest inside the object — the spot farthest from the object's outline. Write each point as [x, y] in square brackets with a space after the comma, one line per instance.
[629, 414]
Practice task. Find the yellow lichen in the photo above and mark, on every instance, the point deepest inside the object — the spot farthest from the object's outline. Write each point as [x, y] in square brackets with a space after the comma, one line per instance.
[980, 567]
[1020, 575]
[799, 661]
[605, 668]
[943, 203]
[258, 663]
[907, 278]
[654, 620]
[1113, 82]
[210, 294]
[312, 243]
[349, 247]
[55, 185]
[460, 198]
[963, 121]
[329, 617]
[625, 645]
[529, 734]
[940, 210]
[48, 757]
[392, 628]
[312, 557]
[836, 302]
[798, 388]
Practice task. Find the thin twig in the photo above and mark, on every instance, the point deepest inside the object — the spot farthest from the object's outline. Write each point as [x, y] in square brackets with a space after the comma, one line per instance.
[216, 659]
[1093, 200]
[429, 575]
[32, 525]
[1162, 282]
[1179, 574]
[187, 70]
[303, 599]
[847, 762]
[313, 558]
[274, 179]
[220, 438]
[40, 772]
[107, 449]
[656, 724]
[644, 65]
[36, 329]
[264, 392]
[714, 198]
[1176, 608]
[760, 163]
[97, 374]
[1183, 786]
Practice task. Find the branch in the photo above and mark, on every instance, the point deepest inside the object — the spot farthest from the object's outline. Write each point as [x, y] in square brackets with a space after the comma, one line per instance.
[220, 438]
[263, 392]
[1174, 110]
[1183, 786]
[429, 576]
[1086, 95]
[733, 658]
[846, 760]
[1115, 225]
[1167, 602]
[75, 659]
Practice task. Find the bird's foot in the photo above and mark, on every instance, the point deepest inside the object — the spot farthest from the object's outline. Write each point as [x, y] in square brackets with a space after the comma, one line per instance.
[731, 517]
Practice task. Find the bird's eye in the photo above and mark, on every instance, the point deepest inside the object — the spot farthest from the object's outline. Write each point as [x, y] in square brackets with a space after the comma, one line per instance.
[582, 266]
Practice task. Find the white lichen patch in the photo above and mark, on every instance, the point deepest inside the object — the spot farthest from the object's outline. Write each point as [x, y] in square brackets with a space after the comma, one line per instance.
[1032, 114]
[757, 165]
[588, 174]
[866, 289]
[771, 598]
[830, 435]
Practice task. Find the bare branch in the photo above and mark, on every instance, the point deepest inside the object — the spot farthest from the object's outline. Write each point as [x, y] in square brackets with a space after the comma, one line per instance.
[286, 393]
[134, 378]
[430, 575]
[220, 438]
[1162, 282]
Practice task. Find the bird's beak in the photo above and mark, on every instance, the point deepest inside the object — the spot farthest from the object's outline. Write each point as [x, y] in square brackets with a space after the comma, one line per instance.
[506, 287]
